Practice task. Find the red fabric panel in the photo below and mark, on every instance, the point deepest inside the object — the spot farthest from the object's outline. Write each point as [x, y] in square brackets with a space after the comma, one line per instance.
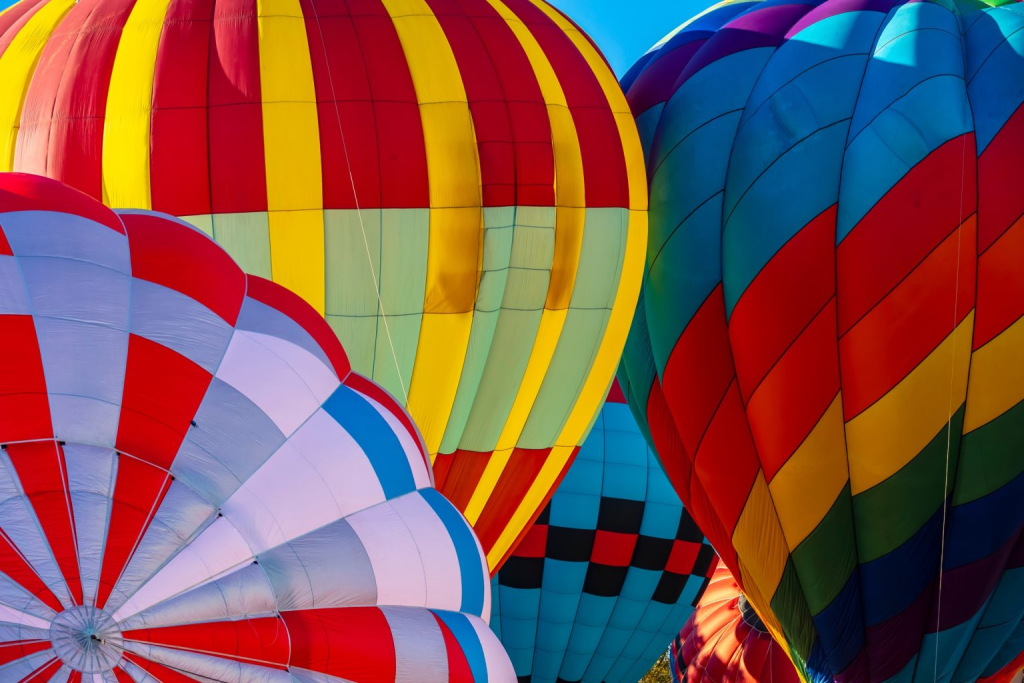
[75, 677]
[1000, 201]
[14, 19]
[903, 227]
[903, 328]
[535, 543]
[179, 137]
[5, 246]
[612, 548]
[138, 492]
[676, 460]
[13, 564]
[615, 394]
[461, 472]
[262, 641]
[1008, 673]
[796, 393]
[353, 643]
[122, 676]
[788, 292]
[604, 162]
[43, 474]
[238, 179]
[458, 666]
[520, 473]
[44, 673]
[187, 261]
[683, 557]
[1000, 299]
[12, 650]
[24, 405]
[162, 392]
[295, 307]
[22, 192]
[380, 395]
[61, 133]
[159, 671]
[402, 155]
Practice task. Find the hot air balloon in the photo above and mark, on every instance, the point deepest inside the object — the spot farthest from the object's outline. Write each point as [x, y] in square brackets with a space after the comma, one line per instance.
[609, 572]
[457, 186]
[831, 341]
[724, 641]
[194, 485]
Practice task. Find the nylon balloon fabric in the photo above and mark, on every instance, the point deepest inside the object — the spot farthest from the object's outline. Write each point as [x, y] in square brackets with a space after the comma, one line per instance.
[194, 485]
[724, 641]
[457, 185]
[828, 352]
[609, 572]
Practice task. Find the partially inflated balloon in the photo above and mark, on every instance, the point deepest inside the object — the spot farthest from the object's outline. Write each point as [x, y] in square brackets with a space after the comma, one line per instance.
[610, 571]
[830, 354]
[457, 186]
[194, 486]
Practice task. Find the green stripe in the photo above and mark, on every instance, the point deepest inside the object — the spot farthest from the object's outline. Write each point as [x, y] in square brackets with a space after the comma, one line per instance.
[991, 456]
[789, 606]
[828, 556]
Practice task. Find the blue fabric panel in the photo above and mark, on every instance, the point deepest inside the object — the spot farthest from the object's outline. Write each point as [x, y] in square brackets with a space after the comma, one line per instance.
[466, 548]
[469, 641]
[839, 626]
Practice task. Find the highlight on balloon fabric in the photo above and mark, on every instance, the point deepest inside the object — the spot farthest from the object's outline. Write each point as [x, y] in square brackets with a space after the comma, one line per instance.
[458, 187]
[828, 349]
[609, 572]
[194, 484]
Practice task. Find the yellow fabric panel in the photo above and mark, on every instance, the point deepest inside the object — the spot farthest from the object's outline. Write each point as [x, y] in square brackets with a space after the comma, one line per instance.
[889, 434]
[126, 127]
[17, 64]
[297, 253]
[758, 537]
[488, 480]
[761, 603]
[997, 378]
[541, 486]
[808, 484]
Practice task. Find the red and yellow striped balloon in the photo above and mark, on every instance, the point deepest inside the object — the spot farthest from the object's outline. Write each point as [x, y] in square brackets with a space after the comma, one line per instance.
[457, 185]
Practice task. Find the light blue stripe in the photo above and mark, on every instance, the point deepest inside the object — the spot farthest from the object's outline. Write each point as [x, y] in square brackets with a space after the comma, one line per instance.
[465, 548]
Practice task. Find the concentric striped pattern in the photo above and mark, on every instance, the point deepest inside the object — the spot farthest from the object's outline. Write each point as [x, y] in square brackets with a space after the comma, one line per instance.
[724, 641]
[830, 354]
[473, 161]
[609, 572]
[194, 486]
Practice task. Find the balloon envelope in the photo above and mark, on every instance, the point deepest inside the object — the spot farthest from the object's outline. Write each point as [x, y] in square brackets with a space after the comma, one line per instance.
[610, 571]
[457, 187]
[194, 485]
[829, 349]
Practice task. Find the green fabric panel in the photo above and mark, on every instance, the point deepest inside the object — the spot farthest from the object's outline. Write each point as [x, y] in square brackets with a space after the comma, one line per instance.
[888, 514]
[246, 236]
[825, 559]
[497, 250]
[597, 282]
[204, 222]
[351, 287]
[353, 333]
[789, 606]
[991, 456]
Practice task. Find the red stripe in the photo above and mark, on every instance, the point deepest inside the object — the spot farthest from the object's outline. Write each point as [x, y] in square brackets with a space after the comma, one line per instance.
[683, 557]
[1000, 201]
[43, 474]
[179, 137]
[796, 393]
[24, 405]
[898, 333]
[262, 640]
[187, 261]
[75, 677]
[604, 161]
[238, 179]
[158, 671]
[44, 673]
[353, 643]
[5, 246]
[458, 474]
[783, 298]
[535, 543]
[138, 492]
[14, 565]
[61, 133]
[13, 650]
[23, 192]
[904, 226]
[387, 401]
[122, 676]
[676, 461]
[14, 19]
[458, 666]
[523, 467]
[612, 548]
[1000, 286]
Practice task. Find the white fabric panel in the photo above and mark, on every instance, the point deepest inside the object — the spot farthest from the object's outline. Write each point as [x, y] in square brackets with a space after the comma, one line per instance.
[12, 617]
[499, 666]
[82, 291]
[393, 553]
[105, 677]
[420, 472]
[306, 676]
[421, 656]
[436, 552]
[244, 593]
[14, 596]
[321, 465]
[21, 668]
[21, 526]
[231, 439]
[209, 667]
[67, 235]
[62, 675]
[256, 316]
[180, 323]
[13, 297]
[327, 568]
[11, 632]
[91, 480]
[180, 517]
[138, 675]
[287, 382]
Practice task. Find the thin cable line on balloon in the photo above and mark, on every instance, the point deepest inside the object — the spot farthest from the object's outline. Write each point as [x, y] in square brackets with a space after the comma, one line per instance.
[359, 213]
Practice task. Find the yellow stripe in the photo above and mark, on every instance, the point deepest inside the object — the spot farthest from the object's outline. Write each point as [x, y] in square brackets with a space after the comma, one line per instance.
[808, 484]
[17, 64]
[758, 537]
[889, 434]
[761, 604]
[997, 378]
[126, 127]
[291, 139]
[456, 216]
